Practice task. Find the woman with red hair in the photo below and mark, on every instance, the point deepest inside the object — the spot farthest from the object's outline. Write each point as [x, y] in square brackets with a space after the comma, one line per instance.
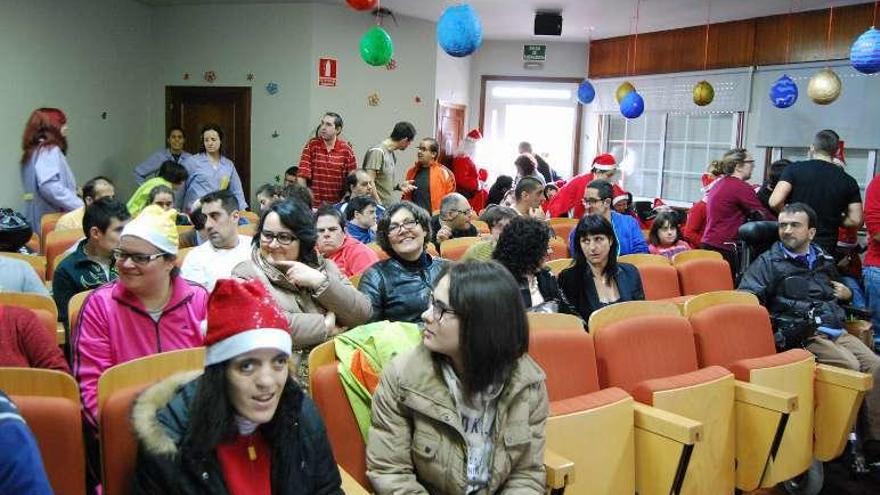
[48, 182]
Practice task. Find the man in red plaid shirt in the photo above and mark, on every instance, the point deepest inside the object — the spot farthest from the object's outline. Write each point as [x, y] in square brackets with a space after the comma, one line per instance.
[325, 161]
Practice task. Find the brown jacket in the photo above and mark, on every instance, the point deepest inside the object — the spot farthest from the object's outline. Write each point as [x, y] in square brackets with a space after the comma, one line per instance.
[416, 444]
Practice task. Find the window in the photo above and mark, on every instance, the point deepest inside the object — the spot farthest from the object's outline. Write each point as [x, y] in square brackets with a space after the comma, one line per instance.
[860, 163]
[667, 153]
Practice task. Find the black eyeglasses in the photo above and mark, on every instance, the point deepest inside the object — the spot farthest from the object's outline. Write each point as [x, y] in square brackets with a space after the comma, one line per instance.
[439, 308]
[396, 228]
[283, 238]
[592, 201]
[454, 213]
[138, 259]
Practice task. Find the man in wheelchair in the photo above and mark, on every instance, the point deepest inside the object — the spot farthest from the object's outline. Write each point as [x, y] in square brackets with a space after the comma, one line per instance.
[798, 284]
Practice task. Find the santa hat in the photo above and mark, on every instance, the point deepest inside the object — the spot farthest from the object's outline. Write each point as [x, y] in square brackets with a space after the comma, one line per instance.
[475, 135]
[156, 226]
[619, 198]
[560, 183]
[243, 317]
[483, 174]
[604, 162]
[658, 203]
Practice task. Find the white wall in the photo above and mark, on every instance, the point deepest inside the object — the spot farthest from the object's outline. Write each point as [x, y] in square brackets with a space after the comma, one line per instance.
[85, 57]
[453, 79]
[282, 43]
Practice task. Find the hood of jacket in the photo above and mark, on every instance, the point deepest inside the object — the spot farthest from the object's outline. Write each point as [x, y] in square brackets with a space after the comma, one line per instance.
[164, 437]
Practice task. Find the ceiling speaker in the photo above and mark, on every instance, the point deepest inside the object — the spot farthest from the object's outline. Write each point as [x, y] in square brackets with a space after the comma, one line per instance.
[548, 24]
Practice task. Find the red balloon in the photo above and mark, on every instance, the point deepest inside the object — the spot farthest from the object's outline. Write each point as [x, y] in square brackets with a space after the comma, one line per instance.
[362, 4]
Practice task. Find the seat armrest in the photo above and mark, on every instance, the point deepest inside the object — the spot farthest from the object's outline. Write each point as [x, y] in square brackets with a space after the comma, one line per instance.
[678, 428]
[844, 378]
[766, 397]
[349, 485]
[560, 471]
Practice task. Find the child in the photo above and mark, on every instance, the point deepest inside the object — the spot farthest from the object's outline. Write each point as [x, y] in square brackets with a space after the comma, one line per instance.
[171, 175]
[665, 237]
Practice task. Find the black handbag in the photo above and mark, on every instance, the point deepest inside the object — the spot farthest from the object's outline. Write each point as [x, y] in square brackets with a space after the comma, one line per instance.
[792, 331]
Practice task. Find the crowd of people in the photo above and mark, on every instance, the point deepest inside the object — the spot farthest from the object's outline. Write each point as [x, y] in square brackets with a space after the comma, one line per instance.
[261, 303]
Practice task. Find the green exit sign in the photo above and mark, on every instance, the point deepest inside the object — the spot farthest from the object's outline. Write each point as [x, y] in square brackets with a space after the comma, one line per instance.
[535, 52]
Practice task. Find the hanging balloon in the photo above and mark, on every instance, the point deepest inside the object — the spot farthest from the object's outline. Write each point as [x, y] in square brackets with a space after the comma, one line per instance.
[362, 4]
[623, 90]
[784, 92]
[704, 93]
[459, 31]
[865, 52]
[376, 47]
[824, 87]
[632, 105]
[586, 92]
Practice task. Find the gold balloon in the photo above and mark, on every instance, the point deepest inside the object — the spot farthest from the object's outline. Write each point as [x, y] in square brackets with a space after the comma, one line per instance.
[623, 90]
[704, 93]
[824, 87]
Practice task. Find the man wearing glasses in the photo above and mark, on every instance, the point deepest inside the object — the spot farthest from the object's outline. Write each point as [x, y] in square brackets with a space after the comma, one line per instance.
[431, 181]
[453, 221]
[597, 201]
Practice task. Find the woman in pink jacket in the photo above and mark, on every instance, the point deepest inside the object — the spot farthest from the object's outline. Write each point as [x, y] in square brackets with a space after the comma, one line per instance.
[148, 310]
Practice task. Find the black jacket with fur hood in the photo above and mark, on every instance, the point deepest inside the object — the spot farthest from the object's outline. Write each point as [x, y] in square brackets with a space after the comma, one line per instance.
[302, 462]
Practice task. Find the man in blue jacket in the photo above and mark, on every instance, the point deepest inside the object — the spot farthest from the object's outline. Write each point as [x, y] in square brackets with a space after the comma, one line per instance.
[597, 201]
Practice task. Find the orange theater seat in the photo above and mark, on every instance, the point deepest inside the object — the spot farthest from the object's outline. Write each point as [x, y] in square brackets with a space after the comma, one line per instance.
[55, 244]
[454, 249]
[701, 275]
[659, 281]
[562, 227]
[57, 426]
[118, 441]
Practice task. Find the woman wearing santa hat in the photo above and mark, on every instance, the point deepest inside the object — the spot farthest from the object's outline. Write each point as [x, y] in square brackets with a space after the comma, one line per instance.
[244, 426]
[464, 412]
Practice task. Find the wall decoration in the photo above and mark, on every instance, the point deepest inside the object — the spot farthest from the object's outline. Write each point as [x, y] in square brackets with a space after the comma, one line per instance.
[623, 90]
[376, 46]
[459, 31]
[186, 76]
[784, 92]
[586, 92]
[272, 88]
[632, 105]
[391, 65]
[418, 99]
[704, 93]
[362, 5]
[210, 76]
[327, 71]
[373, 99]
[865, 52]
[824, 87]
[250, 76]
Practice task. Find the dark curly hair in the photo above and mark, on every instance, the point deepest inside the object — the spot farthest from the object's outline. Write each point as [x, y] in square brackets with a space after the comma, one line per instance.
[499, 189]
[419, 213]
[296, 216]
[522, 246]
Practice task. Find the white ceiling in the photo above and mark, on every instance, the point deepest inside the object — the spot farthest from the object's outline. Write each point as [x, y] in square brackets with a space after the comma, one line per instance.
[582, 19]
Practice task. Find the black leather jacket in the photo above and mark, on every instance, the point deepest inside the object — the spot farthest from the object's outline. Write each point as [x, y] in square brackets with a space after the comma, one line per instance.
[765, 276]
[399, 290]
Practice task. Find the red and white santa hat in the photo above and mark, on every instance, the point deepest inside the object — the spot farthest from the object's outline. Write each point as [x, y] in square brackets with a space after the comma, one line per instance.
[604, 162]
[620, 197]
[474, 135]
[243, 317]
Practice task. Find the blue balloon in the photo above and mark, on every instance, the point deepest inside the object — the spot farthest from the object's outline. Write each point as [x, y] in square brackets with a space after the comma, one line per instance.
[459, 31]
[784, 92]
[632, 105]
[586, 92]
[865, 52]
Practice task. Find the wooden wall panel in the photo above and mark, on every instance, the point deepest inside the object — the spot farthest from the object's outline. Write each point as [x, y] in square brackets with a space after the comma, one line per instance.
[758, 41]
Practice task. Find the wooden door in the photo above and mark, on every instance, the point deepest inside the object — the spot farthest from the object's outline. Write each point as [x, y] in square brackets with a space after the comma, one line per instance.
[192, 107]
[450, 130]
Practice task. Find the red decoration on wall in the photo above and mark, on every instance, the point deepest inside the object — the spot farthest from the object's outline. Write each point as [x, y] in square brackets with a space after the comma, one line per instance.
[210, 76]
[391, 65]
[362, 4]
[250, 76]
[186, 76]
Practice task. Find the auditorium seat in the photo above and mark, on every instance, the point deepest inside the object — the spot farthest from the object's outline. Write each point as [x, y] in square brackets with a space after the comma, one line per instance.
[454, 249]
[702, 271]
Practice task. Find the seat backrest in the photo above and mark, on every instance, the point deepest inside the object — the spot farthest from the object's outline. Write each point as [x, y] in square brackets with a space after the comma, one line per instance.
[558, 248]
[118, 442]
[147, 370]
[55, 244]
[625, 310]
[38, 382]
[30, 301]
[638, 348]
[250, 216]
[726, 333]
[540, 322]
[38, 263]
[482, 227]
[345, 438]
[249, 229]
[659, 281]
[74, 307]
[558, 265]
[57, 426]
[562, 227]
[569, 361]
[47, 224]
[639, 259]
[702, 275]
[695, 254]
[453, 249]
[378, 250]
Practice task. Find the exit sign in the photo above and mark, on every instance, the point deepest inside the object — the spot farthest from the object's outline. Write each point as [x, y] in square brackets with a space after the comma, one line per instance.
[535, 52]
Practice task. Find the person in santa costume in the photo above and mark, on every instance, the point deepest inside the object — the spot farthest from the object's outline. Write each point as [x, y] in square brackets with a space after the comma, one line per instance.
[243, 426]
[467, 179]
[571, 195]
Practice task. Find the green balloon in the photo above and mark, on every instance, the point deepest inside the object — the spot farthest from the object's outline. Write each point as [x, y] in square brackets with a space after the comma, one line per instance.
[376, 46]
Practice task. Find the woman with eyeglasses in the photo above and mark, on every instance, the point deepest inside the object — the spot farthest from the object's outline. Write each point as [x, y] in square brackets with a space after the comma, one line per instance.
[596, 279]
[398, 287]
[316, 298]
[150, 308]
[731, 202]
[463, 412]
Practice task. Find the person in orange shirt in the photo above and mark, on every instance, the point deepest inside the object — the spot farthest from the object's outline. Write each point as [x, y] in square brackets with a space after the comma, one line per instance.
[432, 180]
